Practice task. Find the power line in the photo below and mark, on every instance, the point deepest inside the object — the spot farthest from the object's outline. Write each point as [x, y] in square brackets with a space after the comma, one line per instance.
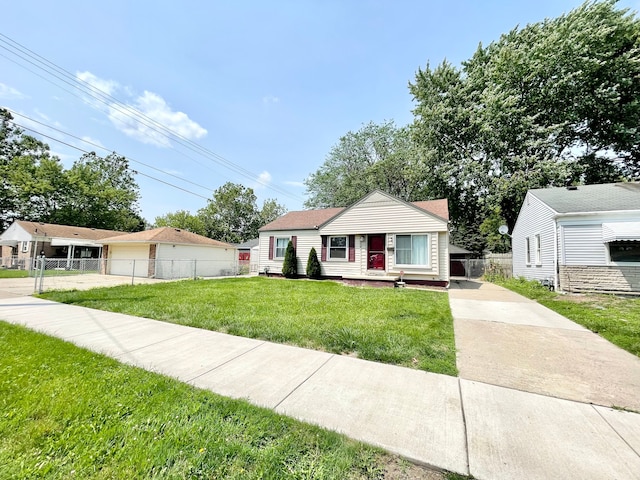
[87, 151]
[108, 100]
[102, 148]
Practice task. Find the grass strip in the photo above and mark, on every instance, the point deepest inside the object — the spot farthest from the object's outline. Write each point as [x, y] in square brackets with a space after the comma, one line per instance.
[615, 318]
[411, 328]
[66, 412]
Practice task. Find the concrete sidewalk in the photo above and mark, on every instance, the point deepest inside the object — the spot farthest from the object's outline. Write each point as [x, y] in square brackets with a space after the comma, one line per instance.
[455, 424]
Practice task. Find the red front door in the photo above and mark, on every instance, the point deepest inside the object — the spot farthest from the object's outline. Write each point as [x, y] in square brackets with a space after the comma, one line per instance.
[375, 252]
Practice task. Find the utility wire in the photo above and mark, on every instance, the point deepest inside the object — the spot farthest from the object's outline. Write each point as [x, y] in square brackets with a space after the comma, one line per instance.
[105, 98]
[87, 151]
[102, 148]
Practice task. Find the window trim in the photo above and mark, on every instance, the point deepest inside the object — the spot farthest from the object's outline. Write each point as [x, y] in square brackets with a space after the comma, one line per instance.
[538, 248]
[346, 249]
[275, 247]
[412, 265]
[618, 262]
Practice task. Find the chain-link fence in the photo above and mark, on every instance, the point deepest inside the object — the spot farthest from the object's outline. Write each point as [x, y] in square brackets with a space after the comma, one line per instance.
[171, 269]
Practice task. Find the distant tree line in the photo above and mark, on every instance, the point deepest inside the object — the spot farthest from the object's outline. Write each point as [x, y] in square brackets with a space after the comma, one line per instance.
[231, 215]
[554, 101]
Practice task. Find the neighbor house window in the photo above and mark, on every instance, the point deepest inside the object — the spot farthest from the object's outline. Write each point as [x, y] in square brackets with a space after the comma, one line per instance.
[527, 243]
[412, 250]
[25, 247]
[281, 246]
[538, 250]
[624, 251]
[338, 248]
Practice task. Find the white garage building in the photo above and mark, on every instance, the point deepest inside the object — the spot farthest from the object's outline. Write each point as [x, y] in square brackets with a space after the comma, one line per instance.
[168, 252]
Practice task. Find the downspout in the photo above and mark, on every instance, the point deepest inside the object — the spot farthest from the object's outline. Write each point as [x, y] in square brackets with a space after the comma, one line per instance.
[556, 283]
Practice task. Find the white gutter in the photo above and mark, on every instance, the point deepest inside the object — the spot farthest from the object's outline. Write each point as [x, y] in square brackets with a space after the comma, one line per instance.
[604, 212]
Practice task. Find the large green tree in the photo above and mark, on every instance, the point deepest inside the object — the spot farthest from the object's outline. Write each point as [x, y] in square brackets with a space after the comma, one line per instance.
[182, 219]
[553, 100]
[232, 214]
[102, 193]
[32, 182]
[378, 156]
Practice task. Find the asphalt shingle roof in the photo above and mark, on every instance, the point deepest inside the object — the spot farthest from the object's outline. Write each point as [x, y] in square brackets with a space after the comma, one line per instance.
[66, 231]
[591, 198]
[309, 219]
[167, 235]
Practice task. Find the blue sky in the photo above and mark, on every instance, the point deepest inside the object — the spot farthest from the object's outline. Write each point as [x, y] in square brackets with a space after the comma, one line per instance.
[268, 87]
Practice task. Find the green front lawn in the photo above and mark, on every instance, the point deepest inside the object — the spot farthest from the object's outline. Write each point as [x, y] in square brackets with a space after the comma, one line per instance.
[615, 318]
[68, 413]
[9, 273]
[412, 328]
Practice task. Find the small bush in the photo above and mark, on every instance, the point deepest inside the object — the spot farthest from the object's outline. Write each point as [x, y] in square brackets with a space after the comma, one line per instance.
[290, 264]
[313, 265]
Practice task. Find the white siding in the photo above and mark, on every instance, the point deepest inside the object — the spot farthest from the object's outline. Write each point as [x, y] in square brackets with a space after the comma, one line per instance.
[535, 218]
[381, 214]
[194, 260]
[306, 239]
[123, 259]
[582, 245]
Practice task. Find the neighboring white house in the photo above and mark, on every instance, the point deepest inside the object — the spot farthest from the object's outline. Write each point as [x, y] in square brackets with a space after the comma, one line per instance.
[584, 238]
[23, 241]
[377, 239]
[168, 252]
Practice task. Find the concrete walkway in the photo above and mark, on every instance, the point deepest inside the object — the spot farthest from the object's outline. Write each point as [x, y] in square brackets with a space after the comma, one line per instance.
[457, 424]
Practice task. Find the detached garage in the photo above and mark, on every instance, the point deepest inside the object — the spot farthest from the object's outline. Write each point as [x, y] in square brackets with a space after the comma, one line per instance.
[168, 253]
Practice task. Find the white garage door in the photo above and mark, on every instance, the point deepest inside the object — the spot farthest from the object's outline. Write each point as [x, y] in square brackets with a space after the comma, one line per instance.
[123, 259]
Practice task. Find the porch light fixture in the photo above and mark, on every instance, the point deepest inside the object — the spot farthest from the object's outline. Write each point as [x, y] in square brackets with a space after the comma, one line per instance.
[362, 238]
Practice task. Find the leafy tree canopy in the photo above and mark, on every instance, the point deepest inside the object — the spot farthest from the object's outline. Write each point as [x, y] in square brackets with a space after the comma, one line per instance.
[232, 214]
[375, 157]
[554, 100]
[95, 192]
[182, 219]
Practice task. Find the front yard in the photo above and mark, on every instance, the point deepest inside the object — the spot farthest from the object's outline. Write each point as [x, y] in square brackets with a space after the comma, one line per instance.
[412, 328]
[613, 317]
[70, 413]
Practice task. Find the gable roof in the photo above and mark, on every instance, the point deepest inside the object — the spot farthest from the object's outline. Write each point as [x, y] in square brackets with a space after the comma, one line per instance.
[312, 219]
[166, 235]
[39, 229]
[605, 197]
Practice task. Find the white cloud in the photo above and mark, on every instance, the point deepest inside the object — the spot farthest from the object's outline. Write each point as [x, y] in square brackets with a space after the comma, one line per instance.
[91, 142]
[9, 92]
[270, 100]
[264, 179]
[98, 84]
[125, 117]
[294, 184]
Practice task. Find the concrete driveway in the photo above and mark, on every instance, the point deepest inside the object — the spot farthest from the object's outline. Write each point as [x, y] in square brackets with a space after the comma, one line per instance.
[20, 287]
[505, 339]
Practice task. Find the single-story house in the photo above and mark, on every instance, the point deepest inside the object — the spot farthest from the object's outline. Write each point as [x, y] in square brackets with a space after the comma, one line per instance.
[380, 238]
[584, 238]
[23, 241]
[167, 252]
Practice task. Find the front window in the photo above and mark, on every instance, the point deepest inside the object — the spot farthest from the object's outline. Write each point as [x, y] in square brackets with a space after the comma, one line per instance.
[338, 248]
[528, 249]
[281, 246]
[412, 249]
[624, 251]
[538, 251]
